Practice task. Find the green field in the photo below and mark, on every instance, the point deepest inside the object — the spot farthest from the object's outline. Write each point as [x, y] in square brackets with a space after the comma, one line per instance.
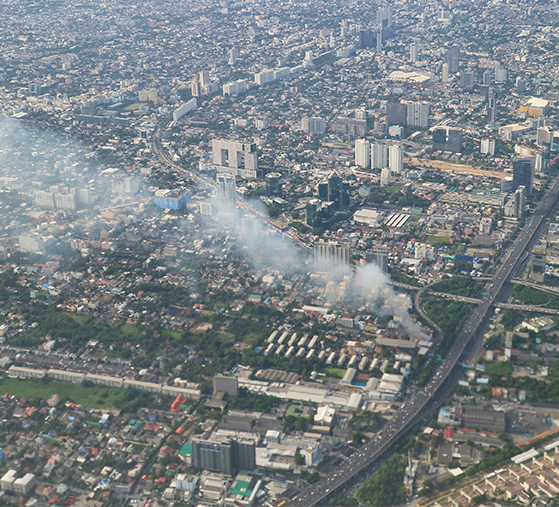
[94, 396]
[335, 372]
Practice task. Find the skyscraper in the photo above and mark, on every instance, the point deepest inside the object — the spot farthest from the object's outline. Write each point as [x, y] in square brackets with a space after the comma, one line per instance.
[331, 258]
[363, 153]
[523, 174]
[273, 185]
[417, 114]
[396, 159]
[445, 72]
[500, 75]
[453, 59]
[379, 156]
[238, 159]
[413, 52]
[491, 107]
[226, 193]
[467, 79]
[314, 213]
[519, 201]
[385, 176]
[487, 146]
[233, 56]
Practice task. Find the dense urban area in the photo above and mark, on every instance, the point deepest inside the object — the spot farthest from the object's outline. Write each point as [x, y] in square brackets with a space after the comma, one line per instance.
[279, 254]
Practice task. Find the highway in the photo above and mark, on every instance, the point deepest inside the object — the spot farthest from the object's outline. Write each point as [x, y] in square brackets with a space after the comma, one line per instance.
[444, 378]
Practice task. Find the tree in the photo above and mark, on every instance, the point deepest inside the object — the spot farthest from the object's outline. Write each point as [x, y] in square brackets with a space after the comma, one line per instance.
[299, 458]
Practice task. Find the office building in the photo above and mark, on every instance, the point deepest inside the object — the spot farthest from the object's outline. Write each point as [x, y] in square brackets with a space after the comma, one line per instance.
[453, 59]
[486, 77]
[396, 159]
[335, 190]
[454, 140]
[417, 114]
[313, 125]
[331, 258]
[523, 174]
[379, 156]
[445, 73]
[314, 213]
[366, 39]
[396, 113]
[467, 79]
[487, 146]
[226, 193]
[413, 52]
[385, 176]
[491, 107]
[274, 185]
[236, 158]
[439, 139]
[520, 85]
[363, 153]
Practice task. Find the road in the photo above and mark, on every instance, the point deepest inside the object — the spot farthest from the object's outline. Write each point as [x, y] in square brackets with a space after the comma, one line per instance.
[445, 377]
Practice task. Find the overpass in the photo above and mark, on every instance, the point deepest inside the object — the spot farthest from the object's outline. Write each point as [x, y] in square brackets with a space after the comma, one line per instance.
[444, 379]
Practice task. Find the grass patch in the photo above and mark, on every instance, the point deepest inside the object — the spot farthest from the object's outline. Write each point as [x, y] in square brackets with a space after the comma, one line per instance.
[439, 237]
[226, 337]
[95, 396]
[133, 107]
[335, 372]
[392, 190]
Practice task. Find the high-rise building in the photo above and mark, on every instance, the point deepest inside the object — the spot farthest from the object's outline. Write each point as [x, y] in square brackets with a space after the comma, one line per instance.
[417, 114]
[467, 79]
[323, 191]
[238, 159]
[227, 384]
[445, 72]
[379, 156]
[226, 193]
[204, 78]
[486, 77]
[274, 185]
[487, 146]
[545, 136]
[378, 256]
[335, 191]
[314, 213]
[519, 201]
[413, 52]
[313, 125]
[396, 159]
[454, 140]
[523, 174]
[379, 41]
[396, 113]
[491, 107]
[384, 17]
[363, 153]
[453, 59]
[224, 454]
[366, 39]
[331, 258]
[385, 176]
[520, 85]
[439, 139]
[233, 56]
[501, 75]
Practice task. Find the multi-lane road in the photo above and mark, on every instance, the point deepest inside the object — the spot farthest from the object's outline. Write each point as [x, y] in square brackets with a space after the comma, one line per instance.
[445, 377]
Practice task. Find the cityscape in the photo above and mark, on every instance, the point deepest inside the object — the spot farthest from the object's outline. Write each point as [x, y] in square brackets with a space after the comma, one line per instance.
[279, 254]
